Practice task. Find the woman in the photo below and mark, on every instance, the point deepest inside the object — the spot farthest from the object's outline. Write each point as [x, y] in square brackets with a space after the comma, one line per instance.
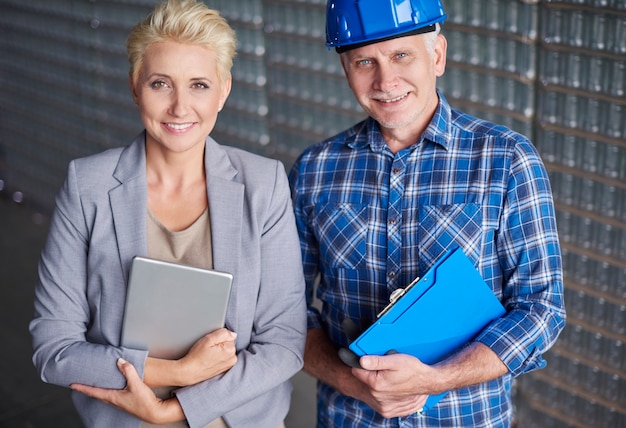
[173, 194]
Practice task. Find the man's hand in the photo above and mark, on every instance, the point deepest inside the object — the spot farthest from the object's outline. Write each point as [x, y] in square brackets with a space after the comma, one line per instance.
[397, 385]
[369, 386]
[137, 398]
[408, 381]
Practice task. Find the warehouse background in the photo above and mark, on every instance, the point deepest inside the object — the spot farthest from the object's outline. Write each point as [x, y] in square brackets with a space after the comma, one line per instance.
[553, 70]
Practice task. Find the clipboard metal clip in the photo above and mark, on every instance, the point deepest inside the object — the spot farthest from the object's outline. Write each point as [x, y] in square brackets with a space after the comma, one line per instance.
[396, 295]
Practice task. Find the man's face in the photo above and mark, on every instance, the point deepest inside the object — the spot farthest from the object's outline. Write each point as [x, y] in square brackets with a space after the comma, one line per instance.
[395, 80]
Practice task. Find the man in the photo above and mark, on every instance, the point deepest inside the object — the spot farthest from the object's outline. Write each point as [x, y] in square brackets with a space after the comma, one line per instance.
[381, 202]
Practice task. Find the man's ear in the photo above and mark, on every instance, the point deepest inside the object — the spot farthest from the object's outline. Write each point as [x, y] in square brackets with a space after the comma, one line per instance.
[343, 58]
[441, 49]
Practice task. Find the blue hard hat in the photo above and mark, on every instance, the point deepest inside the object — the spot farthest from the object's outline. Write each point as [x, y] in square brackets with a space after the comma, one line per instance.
[354, 23]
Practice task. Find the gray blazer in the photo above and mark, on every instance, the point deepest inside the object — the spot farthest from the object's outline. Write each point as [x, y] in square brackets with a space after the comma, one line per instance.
[99, 224]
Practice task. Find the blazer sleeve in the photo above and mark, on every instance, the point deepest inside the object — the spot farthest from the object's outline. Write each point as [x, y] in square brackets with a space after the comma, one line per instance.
[67, 349]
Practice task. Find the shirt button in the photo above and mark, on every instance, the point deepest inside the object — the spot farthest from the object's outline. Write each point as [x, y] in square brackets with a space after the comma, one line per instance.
[391, 274]
[392, 221]
[397, 170]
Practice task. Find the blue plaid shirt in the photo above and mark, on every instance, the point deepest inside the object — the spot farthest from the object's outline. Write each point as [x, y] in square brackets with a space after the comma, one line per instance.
[371, 221]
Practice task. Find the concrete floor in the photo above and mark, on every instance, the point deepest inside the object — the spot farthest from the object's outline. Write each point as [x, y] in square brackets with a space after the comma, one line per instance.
[25, 401]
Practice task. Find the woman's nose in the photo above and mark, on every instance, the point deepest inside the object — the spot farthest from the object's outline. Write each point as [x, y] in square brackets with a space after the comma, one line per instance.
[178, 103]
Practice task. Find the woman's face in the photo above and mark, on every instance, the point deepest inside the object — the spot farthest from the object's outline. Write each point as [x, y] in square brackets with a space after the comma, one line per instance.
[179, 95]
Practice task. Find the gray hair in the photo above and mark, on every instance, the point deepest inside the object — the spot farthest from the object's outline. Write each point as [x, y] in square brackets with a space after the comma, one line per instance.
[431, 38]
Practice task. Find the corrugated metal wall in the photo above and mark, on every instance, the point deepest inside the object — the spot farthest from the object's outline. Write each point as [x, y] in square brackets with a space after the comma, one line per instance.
[64, 79]
[580, 129]
[554, 70]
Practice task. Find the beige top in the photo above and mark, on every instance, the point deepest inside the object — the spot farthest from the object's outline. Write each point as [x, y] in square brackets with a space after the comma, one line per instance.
[191, 246]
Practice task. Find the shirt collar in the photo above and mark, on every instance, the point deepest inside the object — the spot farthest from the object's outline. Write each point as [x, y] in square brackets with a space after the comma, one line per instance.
[438, 131]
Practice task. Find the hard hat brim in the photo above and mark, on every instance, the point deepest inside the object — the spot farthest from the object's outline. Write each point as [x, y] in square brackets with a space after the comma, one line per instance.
[422, 30]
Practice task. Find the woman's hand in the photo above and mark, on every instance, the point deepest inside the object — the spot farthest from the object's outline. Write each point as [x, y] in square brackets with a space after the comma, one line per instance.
[211, 355]
[137, 398]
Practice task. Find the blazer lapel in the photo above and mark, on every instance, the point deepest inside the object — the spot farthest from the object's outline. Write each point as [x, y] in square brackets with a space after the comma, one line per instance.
[226, 211]
[129, 203]
[225, 207]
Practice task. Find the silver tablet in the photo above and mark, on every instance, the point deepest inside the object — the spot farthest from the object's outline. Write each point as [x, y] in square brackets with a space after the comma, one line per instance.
[170, 306]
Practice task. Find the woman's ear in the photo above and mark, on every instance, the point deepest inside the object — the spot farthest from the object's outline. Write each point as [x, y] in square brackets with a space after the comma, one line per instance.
[226, 87]
[133, 90]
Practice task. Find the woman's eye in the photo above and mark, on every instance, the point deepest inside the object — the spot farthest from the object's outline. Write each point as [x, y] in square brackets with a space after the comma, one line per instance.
[200, 85]
[158, 84]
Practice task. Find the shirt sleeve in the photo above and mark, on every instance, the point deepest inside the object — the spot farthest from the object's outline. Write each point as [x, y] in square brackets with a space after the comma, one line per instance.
[529, 253]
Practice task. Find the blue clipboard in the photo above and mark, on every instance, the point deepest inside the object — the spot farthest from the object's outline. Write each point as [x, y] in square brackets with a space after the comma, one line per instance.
[434, 316]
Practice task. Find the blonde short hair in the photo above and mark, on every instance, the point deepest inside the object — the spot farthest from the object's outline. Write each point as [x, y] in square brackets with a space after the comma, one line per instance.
[183, 21]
